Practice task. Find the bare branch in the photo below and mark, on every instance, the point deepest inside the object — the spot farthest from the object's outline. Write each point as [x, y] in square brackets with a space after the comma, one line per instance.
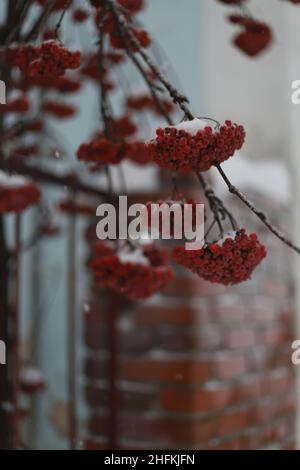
[260, 214]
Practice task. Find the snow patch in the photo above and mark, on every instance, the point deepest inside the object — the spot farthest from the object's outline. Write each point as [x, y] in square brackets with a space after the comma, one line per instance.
[270, 178]
[136, 257]
[11, 181]
[193, 126]
[32, 376]
[230, 235]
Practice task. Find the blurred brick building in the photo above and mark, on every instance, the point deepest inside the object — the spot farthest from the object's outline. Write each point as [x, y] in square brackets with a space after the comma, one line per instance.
[201, 366]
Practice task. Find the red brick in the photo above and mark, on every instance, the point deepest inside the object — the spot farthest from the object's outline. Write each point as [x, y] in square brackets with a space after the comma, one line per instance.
[91, 444]
[95, 368]
[128, 399]
[182, 340]
[138, 340]
[281, 381]
[183, 371]
[95, 337]
[231, 313]
[232, 444]
[192, 401]
[172, 315]
[229, 366]
[233, 421]
[273, 335]
[239, 338]
[248, 389]
[186, 286]
[159, 430]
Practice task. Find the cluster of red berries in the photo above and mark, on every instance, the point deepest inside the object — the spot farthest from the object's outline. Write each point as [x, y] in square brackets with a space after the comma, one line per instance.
[33, 126]
[16, 105]
[141, 35]
[101, 151]
[145, 102]
[47, 60]
[138, 153]
[133, 6]
[32, 380]
[91, 70]
[17, 198]
[80, 15]
[124, 127]
[137, 274]
[193, 147]
[228, 262]
[119, 40]
[255, 37]
[177, 215]
[61, 84]
[24, 151]
[59, 110]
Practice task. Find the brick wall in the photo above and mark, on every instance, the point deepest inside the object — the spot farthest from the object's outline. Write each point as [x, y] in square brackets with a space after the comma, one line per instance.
[201, 366]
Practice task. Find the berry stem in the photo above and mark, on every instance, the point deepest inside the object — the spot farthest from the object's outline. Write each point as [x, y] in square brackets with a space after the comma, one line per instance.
[177, 97]
[260, 214]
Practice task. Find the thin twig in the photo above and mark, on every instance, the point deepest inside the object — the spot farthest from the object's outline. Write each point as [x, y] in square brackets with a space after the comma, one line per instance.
[41, 20]
[177, 97]
[216, 205]
[61, 18]
[260, 214]
[14, 33]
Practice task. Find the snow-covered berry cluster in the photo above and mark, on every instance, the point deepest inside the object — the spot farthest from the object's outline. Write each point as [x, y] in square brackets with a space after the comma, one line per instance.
[195, 146]
[135, 273]
[16, 193]
[230, 261]
[46, 60]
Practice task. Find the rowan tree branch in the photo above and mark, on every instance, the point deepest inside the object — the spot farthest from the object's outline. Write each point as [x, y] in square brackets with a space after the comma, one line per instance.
[260, 214]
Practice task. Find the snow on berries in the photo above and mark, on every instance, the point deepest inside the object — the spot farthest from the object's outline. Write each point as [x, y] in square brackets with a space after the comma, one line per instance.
[136, 273]
[194, 145]
[17, 193]
[255, 36]
[229, 261]
[32, 380]
[47, 60]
